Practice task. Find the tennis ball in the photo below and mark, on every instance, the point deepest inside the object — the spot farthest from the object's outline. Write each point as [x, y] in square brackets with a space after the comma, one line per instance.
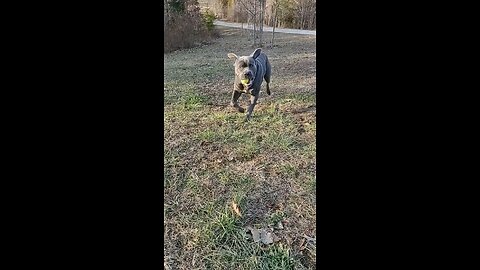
[245, 81]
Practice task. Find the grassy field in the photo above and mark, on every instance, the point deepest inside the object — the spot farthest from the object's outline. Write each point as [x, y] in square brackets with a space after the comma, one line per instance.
[232, 187]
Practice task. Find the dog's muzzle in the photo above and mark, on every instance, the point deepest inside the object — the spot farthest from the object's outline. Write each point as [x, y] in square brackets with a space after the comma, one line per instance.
[250, 83]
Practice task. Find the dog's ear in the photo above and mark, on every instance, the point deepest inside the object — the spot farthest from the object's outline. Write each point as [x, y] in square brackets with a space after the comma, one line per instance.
[232, 56]
[256, 53]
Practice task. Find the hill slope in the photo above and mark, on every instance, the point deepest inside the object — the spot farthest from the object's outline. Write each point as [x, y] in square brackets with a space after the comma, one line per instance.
[213, 159]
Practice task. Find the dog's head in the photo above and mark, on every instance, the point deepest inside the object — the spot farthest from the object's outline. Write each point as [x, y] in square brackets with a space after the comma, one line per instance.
[246, 67]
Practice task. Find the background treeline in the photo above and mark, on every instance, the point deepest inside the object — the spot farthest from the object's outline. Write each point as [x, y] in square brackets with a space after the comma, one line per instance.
[188, 23]
[297, 14]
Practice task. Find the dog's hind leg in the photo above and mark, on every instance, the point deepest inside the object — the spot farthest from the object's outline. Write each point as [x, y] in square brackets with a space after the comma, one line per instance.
[268, 72]
[268, 88]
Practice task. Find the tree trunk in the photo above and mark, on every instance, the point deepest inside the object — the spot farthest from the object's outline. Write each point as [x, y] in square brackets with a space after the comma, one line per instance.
[262, 12]
[274, 20]
[313, 19]
[254, 23]
[249, 33]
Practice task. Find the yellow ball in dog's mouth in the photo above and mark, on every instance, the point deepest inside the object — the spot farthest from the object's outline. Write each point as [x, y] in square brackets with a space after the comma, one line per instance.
[245, 81]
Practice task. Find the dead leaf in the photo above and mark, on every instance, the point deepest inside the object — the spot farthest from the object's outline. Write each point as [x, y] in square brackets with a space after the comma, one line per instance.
[289, 240]
[236, 209]
[302, 242]
[255, 234]
[266, 237]
[263, 235]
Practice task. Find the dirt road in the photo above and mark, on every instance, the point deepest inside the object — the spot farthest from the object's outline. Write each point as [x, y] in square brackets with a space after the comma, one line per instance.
[268, 29]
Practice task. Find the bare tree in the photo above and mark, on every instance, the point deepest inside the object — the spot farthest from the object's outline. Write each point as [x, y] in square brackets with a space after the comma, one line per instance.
[254, 18]
[254, 23]
[250, 17]
[261, 19]
[275, 7]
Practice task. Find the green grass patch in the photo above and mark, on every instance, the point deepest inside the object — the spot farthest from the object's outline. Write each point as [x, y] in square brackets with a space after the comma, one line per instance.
[309, 150]
[209, 135]
[192, 100]
[241, 253]
[247, 151]
[277, 140]
[312, 184]
[231, 247]
[276, 216]
[233, 181]
[289, 170]
[223, 117]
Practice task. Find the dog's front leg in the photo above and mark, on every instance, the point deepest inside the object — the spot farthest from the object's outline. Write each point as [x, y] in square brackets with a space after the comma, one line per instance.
[253, 102]
[236, 94]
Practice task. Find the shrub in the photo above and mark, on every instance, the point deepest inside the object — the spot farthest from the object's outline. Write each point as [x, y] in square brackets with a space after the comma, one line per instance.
[208, 18]
[185, 26]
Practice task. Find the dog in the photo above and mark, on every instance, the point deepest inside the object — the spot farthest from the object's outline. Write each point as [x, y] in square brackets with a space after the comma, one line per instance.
[250, 71]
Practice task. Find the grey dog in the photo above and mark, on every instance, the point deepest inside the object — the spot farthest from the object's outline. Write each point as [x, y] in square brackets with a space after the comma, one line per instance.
[252, 70]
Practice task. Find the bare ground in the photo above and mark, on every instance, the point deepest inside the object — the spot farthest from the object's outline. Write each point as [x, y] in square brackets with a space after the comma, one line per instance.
[213, 158]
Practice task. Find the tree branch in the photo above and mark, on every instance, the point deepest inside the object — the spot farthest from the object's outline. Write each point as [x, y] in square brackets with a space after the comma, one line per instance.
[245, 6]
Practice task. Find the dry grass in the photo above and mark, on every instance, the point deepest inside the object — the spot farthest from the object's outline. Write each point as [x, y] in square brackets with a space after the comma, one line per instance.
[212, 157]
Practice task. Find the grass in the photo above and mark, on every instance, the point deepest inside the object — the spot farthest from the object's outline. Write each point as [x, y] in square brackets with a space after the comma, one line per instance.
[213, 158]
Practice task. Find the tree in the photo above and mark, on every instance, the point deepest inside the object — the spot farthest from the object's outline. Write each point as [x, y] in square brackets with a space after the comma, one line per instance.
[254, 17]
[261, 19]
[275, 7]
[256, 14]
